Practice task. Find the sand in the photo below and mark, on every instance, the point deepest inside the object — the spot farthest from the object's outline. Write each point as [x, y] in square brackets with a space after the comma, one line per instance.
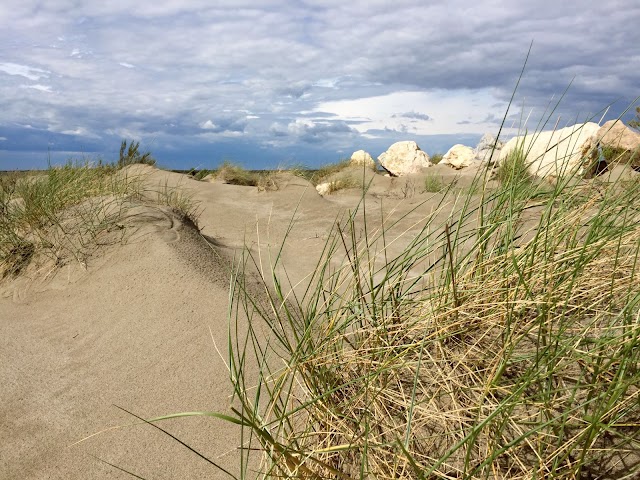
[138, 327]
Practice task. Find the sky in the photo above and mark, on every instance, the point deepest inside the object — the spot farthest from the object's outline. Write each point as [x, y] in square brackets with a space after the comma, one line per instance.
[269, 83]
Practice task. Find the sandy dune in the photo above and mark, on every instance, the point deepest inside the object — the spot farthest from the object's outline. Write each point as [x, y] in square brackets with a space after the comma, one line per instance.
[137, 328]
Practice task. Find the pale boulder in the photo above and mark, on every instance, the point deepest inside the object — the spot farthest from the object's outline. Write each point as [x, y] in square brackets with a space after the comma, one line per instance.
[566, 151]
[459, 156]
[404, 158]
[324, 188]
[362, 158]
[488, 149]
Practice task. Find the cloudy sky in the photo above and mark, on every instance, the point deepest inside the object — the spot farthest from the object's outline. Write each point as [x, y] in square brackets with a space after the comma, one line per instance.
[267, 83]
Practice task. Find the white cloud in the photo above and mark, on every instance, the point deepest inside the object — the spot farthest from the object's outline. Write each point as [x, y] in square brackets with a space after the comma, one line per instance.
[37, 86]
[445, 109]
[81, 132]
[126, 65]
[31, 73]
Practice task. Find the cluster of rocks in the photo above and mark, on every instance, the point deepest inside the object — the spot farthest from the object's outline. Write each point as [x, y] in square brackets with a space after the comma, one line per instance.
[553, 153]
[406, 158]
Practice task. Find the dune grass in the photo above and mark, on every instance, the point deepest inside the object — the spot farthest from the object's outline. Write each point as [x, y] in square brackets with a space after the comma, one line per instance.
[433, 184]
[236, 175]
[64, 213]
[57, 213]
[502, 343]
[321, 174]
[233, 174]
[436, 158]
[131, 154]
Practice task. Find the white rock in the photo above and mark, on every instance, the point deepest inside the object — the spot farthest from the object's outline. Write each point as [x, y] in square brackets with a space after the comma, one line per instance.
[459, 156]
[556, 153]
[324, 188]
[363, 158]
[487, 145]
[404, 158]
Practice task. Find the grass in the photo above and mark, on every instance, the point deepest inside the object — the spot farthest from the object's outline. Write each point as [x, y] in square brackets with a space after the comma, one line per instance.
[131, 155]
[320, 175]
[502, 343]
[436, 158]
[58, 214]
[65, 213]
[233, 174]
[236, 175]
[514, 170]
[433, 184]
[343, 183]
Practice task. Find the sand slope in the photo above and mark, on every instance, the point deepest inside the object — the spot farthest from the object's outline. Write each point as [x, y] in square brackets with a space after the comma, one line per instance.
[137, 329]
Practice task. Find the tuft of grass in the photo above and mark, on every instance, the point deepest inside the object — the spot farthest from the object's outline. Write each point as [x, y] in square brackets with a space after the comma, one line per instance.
[267, 181]
[236, 175]
[436, 158]
[131, 154]
[181, 201]
[200, 174]
[500, 342]
[433, 184]
[321, 174]
[514, 169]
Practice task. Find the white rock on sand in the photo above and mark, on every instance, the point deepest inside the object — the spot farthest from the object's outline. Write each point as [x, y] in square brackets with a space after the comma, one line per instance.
[360, 157]
[404, 158]
[488, 149]
[556, 153]
[459, 156]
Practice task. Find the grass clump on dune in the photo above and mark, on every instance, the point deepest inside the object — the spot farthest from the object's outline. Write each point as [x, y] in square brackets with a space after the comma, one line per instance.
[64, 213]
[436, 158]
[130, 155]
[58, 213]
[236, 175]
[233, 174]
[500, 343]
[514, 169]
[321, 174]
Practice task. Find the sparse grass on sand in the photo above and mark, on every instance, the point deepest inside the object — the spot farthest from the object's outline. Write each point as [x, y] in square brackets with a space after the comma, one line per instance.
[502, 343]
[65, 212]
[236, 175]
[433, 184]
[324, 172]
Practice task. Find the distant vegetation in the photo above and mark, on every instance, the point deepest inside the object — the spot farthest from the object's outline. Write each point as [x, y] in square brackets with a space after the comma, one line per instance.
[131, 155]
[436, 158]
